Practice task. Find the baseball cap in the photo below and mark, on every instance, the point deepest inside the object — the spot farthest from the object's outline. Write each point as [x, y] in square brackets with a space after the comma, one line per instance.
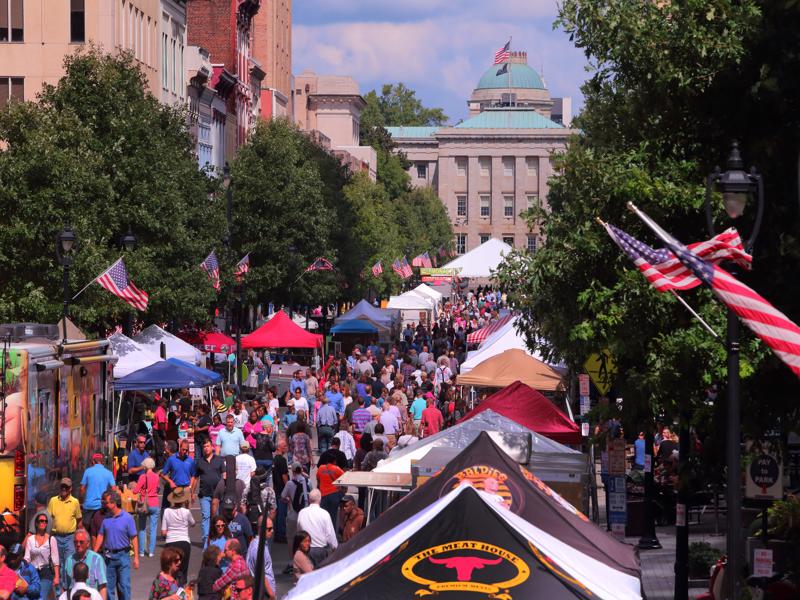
[245, 445]
[228, 503]
[66, 481]
[97, 455]
[347, 498]
[290, 402]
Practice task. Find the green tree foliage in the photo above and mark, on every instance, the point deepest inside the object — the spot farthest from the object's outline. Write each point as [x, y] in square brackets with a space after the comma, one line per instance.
[423, 222]
[673, 84]
[98, 152]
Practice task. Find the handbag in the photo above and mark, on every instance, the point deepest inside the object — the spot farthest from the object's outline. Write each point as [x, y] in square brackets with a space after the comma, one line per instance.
[47, 571]
[141, 502]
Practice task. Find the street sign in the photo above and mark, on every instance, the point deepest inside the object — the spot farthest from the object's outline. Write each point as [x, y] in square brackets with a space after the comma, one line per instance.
[583, 384]
[602, 369]
[616, 457]
[762, 562]
[585, 429]
[586, 402]
[764, 478]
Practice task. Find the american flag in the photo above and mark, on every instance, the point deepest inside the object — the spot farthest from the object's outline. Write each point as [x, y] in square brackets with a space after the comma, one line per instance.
[377, 269]
[407, 268]
[442, 251]
[397, 267]
[243, 266]
[426, 258]
[773, 327]
[503, 54]
[320, 264]
[665, 272]
[115, 280]
[211, 266]
[418, 261]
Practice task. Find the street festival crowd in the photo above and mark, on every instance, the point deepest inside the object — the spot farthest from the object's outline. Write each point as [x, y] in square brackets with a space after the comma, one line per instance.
[257, 455]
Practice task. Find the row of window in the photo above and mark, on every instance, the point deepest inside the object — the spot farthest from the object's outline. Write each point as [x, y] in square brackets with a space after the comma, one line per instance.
[11, 87]
[509, 164]
[485, 204]
[531, 241]
[12, 24]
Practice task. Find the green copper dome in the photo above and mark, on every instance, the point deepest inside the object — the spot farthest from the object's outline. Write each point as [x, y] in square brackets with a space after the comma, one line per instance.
[522, 76]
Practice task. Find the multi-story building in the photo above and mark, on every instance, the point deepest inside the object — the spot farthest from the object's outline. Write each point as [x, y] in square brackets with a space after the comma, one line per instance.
[493, 166]
[220, 34]
[272, 48]
[36, 36]
[329, 108]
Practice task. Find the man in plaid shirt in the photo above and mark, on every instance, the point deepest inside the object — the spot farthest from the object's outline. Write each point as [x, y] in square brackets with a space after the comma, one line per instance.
[237, 569]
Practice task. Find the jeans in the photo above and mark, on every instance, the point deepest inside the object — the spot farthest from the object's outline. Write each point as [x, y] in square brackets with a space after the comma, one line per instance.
[118, 573]
[331, 504]
[280, 520]
[66, 547]
[45, 586]
[148, 524]
[325, 434]
[205, 513]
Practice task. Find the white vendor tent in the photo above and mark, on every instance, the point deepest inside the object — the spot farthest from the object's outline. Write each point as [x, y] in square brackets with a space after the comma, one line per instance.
[132, 355]
[413, 307]
[505, 338]
[426, 290]
[480, 261]
[153, 336]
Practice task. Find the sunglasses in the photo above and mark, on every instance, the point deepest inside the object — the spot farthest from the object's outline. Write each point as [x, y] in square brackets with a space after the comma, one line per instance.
[220, 526]
[41, 521]
[270, 528]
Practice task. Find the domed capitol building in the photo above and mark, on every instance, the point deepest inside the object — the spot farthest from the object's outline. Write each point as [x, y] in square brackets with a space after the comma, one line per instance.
[495, 164]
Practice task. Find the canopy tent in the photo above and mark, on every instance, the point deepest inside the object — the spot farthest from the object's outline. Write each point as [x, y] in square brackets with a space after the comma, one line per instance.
[412, 307]
[132, 355]
[530, 408]
[214, 341]
[153, 336]
[487, 466]
[505, 338]
[426, 290]
[281, 332]
[167, 374]
[465, 541]
[510, 366]
[366, 312]
[479, 336]
[298, 319]
[480, 261]
[354, 326]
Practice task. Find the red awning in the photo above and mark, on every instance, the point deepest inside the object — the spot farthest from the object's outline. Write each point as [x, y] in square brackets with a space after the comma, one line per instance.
[281, 332]
[531, 409]
[477, 337]
[217, 342]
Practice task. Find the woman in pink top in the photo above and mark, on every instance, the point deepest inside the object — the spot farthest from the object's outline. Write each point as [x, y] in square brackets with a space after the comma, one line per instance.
[147, 488]
[215, 428]
[251, 428]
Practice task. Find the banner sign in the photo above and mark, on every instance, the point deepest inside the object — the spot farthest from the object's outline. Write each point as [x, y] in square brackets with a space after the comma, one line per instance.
[440, 271]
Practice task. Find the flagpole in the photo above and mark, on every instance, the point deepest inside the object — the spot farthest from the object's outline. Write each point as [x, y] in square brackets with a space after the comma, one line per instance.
[509, 71]
[96, 278]
[694, 313]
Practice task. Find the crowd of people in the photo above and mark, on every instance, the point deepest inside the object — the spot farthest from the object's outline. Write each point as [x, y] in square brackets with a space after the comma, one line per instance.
[252, 461]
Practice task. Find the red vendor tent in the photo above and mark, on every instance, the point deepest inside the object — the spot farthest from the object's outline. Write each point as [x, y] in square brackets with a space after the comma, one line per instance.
[217, 342]
[281, 332]
[530, 408]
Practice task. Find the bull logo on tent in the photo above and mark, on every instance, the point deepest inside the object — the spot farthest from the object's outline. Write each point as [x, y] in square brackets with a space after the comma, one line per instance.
[490, 480]
[478, 567]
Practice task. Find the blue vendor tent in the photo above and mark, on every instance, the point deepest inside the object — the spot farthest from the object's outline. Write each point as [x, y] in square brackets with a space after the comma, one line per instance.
[168, 374]
[356, 326]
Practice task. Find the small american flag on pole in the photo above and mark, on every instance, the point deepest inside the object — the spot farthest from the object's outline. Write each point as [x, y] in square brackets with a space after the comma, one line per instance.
[211, 266]
[242, 267]
[407, 270]
[503, 54]
[399, 268]
[377, 269]
[320, 264]
[115, 280]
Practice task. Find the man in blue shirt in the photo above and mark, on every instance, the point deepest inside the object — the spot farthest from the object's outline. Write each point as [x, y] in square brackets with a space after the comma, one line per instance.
[229, 440]
[179, 470]
[335, 398]
[252, 554]
[24, 571]
[97, 566]
[116, 539]
[297, 382]
[135, 458]
[96, 480]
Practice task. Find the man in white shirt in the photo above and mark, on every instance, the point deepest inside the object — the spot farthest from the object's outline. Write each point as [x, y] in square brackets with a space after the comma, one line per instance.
[316, 521]
[80, 573]
[245, 466]
[348, 443]
[300, 402]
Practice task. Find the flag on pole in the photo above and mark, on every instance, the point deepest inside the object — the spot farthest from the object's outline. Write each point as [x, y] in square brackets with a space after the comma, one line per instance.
[773, 327]
[665, 272]
[397, 267]
[320, 264]
[426, 260]
[407, 270]
[243, 266]
[115, 280]
[211, 266]
[503, 54]
[418, 261]
[502, 70]
[442, 252]
[377, 269]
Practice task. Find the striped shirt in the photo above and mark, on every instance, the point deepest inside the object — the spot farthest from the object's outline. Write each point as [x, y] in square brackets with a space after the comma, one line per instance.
[97, 570]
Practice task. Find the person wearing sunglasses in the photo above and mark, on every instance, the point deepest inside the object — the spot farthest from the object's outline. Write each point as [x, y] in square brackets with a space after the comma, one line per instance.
[243, 588]
[165, 585]
[41, 551]
[252, 555]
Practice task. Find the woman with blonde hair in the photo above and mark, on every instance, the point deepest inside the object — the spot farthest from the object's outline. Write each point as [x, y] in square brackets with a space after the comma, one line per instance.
[149, 508]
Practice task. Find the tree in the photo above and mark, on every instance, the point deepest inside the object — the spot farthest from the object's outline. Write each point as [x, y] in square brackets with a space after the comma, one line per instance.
[658, 115]
[422, 221]
[100, 153]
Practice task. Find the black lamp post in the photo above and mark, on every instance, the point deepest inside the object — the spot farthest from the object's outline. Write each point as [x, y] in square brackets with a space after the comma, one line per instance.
[65, 245]
[737, 186]
[128, 243]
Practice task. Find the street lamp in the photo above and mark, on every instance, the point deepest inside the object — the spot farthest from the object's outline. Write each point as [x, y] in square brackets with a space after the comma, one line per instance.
[737, 187]
[65, 245]
[128, 243]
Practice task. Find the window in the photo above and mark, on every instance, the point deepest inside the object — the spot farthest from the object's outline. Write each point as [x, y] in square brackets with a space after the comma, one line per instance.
[486, 166]
[484, 238]
[531, 245]
[532, 163]
[486, 205]
[508, 206]
[174, 64]
[11, 87]
[164, 61]
[461, 166]
[11, 24]
[461, 206]
[77, 21]
[461, 243]
[508, 239]
[508, 167]
[205, 146]
[533, 201]
[422, 171]
[182, 86]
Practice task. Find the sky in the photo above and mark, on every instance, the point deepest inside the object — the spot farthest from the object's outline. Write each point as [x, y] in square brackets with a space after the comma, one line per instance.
[439, 48]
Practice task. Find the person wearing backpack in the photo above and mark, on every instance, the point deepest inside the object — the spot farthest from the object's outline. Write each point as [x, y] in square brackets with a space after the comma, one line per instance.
[295, 495]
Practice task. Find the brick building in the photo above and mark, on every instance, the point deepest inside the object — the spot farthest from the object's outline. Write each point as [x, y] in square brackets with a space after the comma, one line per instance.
[272, 48]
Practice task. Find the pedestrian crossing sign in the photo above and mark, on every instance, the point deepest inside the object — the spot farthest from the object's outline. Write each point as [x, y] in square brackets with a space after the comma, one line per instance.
[602, 369]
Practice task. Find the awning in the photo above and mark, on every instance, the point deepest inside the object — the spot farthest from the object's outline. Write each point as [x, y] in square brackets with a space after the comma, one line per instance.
[354, 326]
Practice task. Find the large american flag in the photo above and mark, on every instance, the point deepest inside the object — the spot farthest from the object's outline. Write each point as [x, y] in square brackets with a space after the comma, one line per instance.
[377, 269]
[211, 266]
[663, 269]
[115, 280]
[503, 54]
[320, 264]
[772, 326]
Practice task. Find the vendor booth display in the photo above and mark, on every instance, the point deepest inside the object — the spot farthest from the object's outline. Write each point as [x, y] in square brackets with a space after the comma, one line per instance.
[354, 327]
[510, 366]
[530, 408]
[153, 336]
[281, 332]
[413, 308]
